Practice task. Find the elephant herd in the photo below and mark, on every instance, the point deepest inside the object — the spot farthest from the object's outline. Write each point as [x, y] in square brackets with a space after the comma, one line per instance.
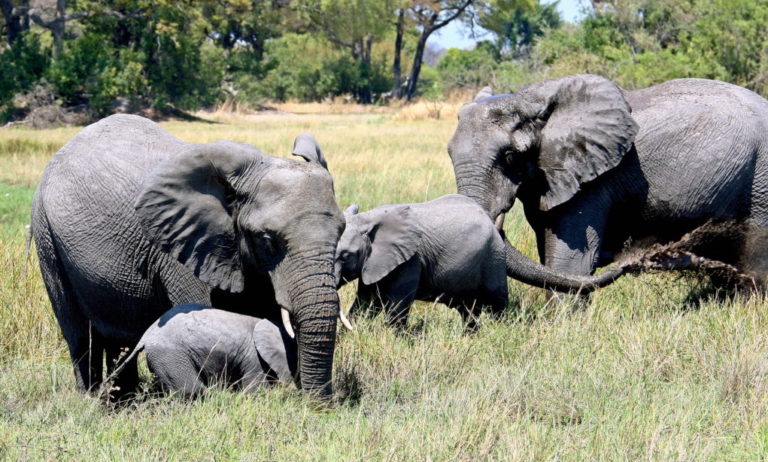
[129, 222]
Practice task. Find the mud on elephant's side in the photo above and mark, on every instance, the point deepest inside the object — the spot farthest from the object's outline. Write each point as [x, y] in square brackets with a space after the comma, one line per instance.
[596, 167]
[129, 221]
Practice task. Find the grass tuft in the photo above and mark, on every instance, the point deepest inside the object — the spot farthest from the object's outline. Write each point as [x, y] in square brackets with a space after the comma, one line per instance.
[654, 367]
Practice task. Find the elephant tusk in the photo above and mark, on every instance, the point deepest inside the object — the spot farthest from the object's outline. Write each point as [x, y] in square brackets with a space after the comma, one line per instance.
[500, 221]
[345, 320]
[287, 322]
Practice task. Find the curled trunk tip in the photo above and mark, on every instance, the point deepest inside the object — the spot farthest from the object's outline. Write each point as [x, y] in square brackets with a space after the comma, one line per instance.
[530, 272]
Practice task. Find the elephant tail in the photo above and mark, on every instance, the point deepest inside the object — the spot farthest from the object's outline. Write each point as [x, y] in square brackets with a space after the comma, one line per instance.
[136, 350]
[27, 249]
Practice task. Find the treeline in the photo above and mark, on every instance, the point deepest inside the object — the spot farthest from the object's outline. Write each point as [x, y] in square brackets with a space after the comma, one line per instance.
[100, 56]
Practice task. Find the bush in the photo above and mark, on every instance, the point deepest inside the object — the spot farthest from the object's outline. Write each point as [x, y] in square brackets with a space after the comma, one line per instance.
[466, 68]
[308, 68]
[22, 64]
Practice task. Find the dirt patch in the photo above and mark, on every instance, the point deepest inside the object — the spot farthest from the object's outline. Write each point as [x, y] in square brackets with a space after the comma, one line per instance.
[744, 245]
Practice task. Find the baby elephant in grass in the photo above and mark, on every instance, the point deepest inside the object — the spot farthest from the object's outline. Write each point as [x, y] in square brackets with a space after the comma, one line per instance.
[194, 346]
[446, 249]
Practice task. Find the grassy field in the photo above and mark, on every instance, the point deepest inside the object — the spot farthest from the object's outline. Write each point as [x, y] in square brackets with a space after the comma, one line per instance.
[642, 372]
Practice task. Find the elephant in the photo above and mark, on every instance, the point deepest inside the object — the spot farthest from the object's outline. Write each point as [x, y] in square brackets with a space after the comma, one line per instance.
[129, 221]
[193, 346]
[599, 169]
[446, 248]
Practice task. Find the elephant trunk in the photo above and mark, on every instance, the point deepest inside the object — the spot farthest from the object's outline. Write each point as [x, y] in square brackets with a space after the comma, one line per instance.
[528, 271]
[475, 192]
[314, 309]
[493, 191]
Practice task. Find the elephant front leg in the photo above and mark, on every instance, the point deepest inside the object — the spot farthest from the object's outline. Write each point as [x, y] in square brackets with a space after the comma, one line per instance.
[572, 246]
[573, 239]
[400, 289]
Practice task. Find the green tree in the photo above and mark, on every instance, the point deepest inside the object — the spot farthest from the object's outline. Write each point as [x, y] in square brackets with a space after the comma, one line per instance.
[517, 24]
[430, 16]
[353, 25]
[466, 68]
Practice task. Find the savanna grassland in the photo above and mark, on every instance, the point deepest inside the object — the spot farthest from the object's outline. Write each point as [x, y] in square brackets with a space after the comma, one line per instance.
[651, 368]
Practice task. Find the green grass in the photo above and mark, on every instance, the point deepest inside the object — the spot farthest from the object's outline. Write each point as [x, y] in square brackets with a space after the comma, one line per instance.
[639, 372]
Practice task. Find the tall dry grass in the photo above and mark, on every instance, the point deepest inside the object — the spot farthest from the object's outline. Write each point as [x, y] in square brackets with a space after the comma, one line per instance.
[647, 369]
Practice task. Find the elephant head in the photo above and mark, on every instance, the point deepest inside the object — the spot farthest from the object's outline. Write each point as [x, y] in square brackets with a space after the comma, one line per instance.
[225, 210]
[541, 144]
[374, 243]
[544, 141]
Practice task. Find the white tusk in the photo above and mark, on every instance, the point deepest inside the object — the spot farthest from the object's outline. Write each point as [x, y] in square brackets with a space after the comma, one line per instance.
[344, 320]
[287, 322]
[500, 221]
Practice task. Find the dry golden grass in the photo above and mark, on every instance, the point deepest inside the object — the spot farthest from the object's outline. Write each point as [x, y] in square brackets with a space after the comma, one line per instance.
[648, 369]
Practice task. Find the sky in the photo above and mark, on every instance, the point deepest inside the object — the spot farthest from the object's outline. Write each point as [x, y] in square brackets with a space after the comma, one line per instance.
[454, 34]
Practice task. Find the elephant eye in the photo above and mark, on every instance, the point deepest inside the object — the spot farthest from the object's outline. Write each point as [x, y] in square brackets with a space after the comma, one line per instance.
[264, 242]
[509, 157]
[344, 255]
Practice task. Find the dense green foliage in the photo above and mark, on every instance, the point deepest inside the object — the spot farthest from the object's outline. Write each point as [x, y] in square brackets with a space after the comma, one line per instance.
[134, 55]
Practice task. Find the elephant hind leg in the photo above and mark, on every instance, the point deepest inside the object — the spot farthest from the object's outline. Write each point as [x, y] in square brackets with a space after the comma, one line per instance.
[84, 343]
[175, 372]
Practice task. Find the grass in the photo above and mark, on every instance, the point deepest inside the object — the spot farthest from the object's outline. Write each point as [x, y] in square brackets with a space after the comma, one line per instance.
[636, 373]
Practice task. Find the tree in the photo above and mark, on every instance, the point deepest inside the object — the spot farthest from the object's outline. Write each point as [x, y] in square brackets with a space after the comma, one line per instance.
[16, 20]
[354, 25]
[517, 24]
[431, 15]
[397, 77]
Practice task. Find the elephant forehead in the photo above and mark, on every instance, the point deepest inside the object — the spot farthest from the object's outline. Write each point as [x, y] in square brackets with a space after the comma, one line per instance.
[286, 195]
[296, 182]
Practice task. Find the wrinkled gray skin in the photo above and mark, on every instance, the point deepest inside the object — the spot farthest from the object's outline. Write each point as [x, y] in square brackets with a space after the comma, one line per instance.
[446, 248]
[129, 221]
[595, 166]
[193, 346]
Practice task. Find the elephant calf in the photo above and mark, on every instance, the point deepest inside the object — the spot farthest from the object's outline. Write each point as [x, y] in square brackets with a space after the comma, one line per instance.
[447, 248]
[193, 346]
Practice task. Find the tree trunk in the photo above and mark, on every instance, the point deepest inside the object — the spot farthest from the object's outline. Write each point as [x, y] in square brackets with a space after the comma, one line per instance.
[58, 26]
[367, 93]
[413, 80]
[396, 69]
[14, 23]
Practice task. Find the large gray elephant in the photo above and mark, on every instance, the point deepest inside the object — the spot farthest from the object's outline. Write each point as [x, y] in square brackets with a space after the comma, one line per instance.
[598, 168]
[129, 221]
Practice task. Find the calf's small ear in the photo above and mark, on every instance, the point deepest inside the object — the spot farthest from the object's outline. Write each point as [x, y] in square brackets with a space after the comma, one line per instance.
[276, 348]
[306, 146]
[394, 240]
[353, 209]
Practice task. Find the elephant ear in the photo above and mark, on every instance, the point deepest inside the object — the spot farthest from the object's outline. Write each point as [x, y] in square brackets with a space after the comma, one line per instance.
[186, 208]
[588, 130]
[276, 349]
[484, 93]
[305, 145]
[352, 210]
[394, 240]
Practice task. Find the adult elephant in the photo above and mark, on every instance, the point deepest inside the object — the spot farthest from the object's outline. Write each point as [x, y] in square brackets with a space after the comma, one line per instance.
[596, 167]
[129, 221]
